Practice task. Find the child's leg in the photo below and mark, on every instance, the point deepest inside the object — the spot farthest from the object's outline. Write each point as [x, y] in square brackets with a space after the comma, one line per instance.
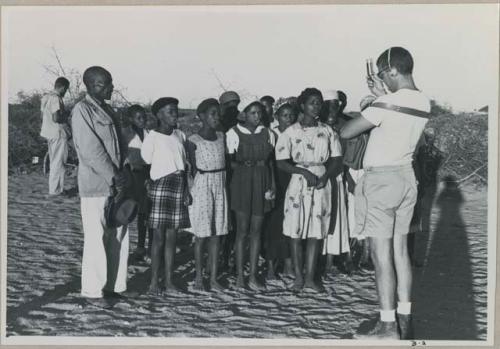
[288, 268]
[296, 249]
[329, 263]
[170, 240]
[255, 230]
[242, 223]
[141, 234]
[213, 258]
[311, 261]
[156, 256]
[271, 269]
[198, 260]
[150, 241]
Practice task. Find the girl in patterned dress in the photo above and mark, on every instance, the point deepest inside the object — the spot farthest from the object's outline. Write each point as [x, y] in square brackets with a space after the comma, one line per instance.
[310, 144]
[163, 148]
[250, 146]
[208, 212]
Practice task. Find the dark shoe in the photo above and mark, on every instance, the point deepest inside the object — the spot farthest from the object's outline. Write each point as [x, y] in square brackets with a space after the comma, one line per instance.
[99, 302]
[382, 330]
[405, 326]
[113, 295]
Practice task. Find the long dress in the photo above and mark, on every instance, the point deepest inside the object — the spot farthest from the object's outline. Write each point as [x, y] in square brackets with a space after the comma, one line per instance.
[307, 210]
[209, 210]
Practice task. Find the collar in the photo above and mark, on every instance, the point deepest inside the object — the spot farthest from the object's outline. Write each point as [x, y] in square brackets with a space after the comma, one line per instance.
[245, 130]
[102, 112]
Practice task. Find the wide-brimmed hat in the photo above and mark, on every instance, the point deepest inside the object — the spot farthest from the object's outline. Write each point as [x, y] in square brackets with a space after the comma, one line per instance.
[120, 211]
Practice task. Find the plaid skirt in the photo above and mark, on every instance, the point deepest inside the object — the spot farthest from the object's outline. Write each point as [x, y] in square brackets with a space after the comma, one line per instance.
[167, 204]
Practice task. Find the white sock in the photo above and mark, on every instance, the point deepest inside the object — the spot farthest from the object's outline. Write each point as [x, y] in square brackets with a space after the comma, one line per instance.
[404, 308]
[387, 315]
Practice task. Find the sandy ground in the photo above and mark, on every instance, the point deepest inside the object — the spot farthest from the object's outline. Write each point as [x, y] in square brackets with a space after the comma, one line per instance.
[44, 253]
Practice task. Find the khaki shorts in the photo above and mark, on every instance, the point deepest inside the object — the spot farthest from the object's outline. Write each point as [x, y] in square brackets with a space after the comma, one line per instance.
[384, 201]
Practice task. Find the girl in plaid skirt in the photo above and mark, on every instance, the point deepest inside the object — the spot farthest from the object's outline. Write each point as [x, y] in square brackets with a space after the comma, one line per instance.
[163, 148]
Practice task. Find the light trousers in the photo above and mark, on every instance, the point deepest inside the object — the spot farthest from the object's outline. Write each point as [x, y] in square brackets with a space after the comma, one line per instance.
[105, 251]
[58, 155]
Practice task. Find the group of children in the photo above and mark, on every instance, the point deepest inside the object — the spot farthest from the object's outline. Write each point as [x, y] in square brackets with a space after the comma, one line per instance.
[276, 178]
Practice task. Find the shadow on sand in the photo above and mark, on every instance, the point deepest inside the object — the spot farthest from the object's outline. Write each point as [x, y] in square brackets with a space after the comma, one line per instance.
[442, 288]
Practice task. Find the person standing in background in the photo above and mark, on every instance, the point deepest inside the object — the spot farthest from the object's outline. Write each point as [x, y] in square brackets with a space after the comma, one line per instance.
[54, 116]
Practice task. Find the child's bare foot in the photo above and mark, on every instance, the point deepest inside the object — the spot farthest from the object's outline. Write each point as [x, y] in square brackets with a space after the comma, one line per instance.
[298, 284]
[255, 284]
[170, 288]
[271, 275]
[310, 285]
[240, 282]
[215, 286]
[154, 289]
[288, 268]
[198, 284]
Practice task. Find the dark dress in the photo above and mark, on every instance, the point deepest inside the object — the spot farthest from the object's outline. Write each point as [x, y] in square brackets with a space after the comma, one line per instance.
[252, 176]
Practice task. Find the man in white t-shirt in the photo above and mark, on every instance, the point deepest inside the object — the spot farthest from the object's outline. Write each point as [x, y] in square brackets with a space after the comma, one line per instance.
[54, 116]
[388, 189]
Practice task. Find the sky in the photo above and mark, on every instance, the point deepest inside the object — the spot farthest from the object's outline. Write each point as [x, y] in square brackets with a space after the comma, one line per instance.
[194, 53]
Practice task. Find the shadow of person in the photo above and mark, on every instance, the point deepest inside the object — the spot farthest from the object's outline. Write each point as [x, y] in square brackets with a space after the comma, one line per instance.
[443, 304]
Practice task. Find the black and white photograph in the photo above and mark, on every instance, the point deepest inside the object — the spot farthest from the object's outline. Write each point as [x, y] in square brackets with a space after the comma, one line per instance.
[249, 174]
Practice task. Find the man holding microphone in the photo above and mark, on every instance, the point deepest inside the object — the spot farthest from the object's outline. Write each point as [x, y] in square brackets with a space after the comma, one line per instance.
[387, 192]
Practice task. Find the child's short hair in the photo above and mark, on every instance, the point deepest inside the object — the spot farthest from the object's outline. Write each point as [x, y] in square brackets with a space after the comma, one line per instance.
[253, 104]
[396, 57]
[61, 82]
[136, 108]
[306, 94]
[284, 106]
[206, 104]
[267, 99]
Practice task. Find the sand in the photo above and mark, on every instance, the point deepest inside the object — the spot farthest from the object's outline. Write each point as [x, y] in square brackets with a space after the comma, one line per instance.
[43, 282]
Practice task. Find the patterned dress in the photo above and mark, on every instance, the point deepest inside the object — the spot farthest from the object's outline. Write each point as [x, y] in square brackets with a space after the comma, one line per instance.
[209, 211]
[307, 210]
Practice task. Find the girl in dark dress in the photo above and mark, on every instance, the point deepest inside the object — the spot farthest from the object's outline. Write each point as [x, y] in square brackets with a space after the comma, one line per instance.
[252, 185]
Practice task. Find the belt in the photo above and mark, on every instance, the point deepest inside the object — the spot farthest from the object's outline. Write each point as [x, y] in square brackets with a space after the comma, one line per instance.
[252, 163]
[210, 171]
[394, 168]
[310, 164]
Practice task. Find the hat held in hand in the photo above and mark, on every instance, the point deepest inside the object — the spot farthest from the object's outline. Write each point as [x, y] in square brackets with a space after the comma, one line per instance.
[120, 210]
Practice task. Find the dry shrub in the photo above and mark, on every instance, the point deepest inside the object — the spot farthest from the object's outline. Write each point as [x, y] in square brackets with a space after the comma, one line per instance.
[463, 140]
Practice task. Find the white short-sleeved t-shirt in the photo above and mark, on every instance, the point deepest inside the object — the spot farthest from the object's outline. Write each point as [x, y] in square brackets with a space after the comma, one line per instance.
[165, 153]
[233, 141]
[393, 140]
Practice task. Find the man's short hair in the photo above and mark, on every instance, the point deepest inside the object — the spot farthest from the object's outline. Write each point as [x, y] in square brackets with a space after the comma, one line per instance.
[267, 99]
[61, 82]
[136, 108]
[90, 74]
[396, 57]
